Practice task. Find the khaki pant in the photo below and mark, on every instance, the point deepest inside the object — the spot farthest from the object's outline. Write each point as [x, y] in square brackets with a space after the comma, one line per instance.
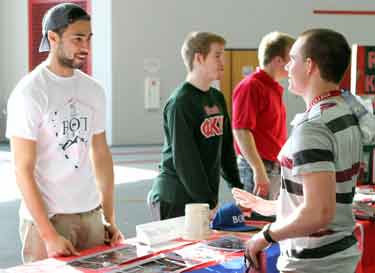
[84, 230]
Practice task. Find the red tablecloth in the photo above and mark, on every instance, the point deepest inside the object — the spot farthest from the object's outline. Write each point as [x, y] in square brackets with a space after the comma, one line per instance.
[365, 233]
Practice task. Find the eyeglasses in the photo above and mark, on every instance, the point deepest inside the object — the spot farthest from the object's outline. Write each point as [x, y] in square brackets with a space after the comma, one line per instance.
[249, 264]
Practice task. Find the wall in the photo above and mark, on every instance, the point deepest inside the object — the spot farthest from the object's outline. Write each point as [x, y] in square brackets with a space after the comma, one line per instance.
[14, 27]
[145, 29]
[2, 67]
[102, 53]
[14, 54]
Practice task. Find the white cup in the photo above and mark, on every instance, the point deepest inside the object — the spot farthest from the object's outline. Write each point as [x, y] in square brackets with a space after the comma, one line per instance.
[197, 220]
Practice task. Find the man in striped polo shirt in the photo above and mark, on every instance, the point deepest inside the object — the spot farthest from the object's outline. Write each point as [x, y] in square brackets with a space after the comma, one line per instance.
[320, 165]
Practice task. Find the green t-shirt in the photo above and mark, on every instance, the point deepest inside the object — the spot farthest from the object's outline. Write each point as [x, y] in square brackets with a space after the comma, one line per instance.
[198, 147]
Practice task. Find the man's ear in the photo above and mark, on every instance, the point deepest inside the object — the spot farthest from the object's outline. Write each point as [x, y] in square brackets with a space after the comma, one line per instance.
[310, 66]
[278, 60]
[199, 58]
[53, 38]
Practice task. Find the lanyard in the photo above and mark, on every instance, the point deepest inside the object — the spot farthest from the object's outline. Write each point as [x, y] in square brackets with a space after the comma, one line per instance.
[325, 96]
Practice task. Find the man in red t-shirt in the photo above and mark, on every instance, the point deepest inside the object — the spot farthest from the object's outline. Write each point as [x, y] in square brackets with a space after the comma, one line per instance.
[259, 117]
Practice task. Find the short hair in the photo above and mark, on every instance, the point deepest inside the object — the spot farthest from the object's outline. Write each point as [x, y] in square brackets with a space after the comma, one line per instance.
[329, 50]
[198, 42]
[58, 18]
[75, 16]
[272, 45]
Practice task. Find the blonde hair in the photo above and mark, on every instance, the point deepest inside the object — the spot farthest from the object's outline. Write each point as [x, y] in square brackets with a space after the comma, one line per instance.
[198, 42]
[272, 45]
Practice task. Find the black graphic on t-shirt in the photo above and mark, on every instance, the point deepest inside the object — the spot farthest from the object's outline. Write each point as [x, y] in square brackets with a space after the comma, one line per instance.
[72, 126]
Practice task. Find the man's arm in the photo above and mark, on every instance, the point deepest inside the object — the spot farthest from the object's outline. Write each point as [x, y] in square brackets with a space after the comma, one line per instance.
[24, 157]
[103, 166]
[315, 213]
[258, 204]
[246, 142]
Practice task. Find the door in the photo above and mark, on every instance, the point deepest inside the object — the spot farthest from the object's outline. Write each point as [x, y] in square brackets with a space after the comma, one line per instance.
[238, 64]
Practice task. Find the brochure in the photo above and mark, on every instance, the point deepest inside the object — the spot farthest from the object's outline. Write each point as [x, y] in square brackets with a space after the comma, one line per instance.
[158, 264]
[107, 258]
[178, 260]
[228, 243]
[198, 253]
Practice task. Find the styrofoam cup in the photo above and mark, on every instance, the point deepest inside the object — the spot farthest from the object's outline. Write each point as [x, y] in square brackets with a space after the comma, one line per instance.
[197, 219]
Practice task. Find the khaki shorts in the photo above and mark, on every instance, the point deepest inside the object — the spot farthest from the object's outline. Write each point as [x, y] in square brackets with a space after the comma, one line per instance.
[84, 230]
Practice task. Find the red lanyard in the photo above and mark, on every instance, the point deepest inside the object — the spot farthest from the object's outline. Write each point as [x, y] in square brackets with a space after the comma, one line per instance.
[325, 96]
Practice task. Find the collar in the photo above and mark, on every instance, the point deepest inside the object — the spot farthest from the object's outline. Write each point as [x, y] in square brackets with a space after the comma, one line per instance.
[312, 112]
[332, 93]
[263, 76]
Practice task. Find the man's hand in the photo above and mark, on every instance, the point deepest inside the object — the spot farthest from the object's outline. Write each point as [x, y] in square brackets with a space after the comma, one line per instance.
[244, 198]
[256, 244]
[113, 235]
[261, 183]
[59, 246]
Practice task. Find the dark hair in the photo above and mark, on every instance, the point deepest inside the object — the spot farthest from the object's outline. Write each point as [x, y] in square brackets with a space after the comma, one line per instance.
[329, 50]
[76, 14]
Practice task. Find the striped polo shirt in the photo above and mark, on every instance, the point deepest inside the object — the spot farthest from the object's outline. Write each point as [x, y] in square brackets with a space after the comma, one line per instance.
[326, 138]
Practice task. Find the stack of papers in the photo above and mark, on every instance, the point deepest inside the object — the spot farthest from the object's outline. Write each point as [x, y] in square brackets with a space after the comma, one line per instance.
[228, 243]
[364, 195]
[187, 257]
[158, 264]
[160, 231]
[107, 259]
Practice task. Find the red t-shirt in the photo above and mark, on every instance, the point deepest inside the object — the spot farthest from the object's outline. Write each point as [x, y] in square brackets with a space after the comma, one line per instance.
[258, 106]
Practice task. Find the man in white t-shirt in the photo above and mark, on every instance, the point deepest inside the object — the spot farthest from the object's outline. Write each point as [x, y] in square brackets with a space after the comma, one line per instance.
[56, 127]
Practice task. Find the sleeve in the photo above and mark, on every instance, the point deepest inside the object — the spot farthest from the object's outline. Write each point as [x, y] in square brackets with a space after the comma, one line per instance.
[246, 104]
[229, 167]
[100, 112]
[313, 147]
[186, 156]
[24, 116]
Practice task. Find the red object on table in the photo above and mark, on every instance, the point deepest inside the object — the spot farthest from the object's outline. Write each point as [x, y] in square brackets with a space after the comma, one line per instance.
[365, 233]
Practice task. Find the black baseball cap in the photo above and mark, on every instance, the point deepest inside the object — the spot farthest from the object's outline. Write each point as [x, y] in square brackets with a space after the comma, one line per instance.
[60, 16]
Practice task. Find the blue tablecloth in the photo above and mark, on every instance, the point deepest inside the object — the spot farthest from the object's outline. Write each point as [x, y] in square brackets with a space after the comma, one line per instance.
[236, 265]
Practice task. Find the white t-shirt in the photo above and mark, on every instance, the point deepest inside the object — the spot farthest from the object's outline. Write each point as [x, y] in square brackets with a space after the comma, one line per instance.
[61, 114]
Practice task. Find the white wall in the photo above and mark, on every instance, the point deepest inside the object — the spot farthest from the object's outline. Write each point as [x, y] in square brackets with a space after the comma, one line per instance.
[144, 29]
[102, 53]
[13, 54]
[155, 29]
[14, 51]
[2, 119]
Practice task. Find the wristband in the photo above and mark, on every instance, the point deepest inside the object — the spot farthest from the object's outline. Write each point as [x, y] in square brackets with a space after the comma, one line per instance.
[267, 236]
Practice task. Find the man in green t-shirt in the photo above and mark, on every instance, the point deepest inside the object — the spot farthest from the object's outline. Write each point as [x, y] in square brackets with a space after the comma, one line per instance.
[198, 143]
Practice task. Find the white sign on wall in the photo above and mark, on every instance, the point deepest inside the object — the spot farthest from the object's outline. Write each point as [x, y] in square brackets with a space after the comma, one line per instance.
[152, 93]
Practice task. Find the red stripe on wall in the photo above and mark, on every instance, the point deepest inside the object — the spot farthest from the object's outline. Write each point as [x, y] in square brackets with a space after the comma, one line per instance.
[344, 12]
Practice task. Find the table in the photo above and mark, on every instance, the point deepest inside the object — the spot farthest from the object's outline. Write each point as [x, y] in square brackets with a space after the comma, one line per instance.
[58, 265]
[365, 233]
